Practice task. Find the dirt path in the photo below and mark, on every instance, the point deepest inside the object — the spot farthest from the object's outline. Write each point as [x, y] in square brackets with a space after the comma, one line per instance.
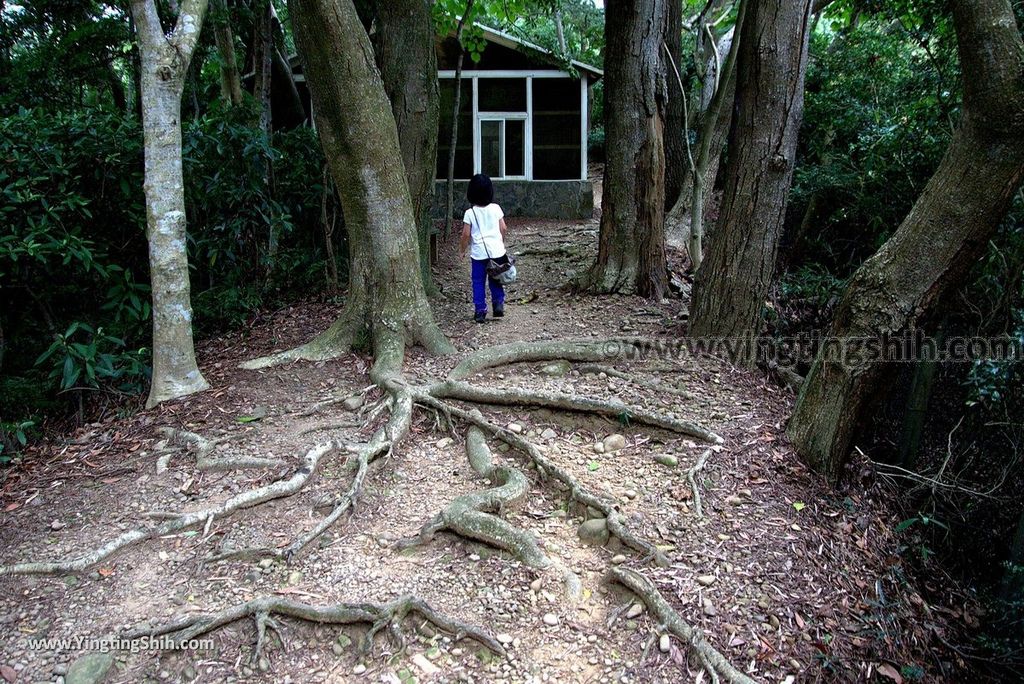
[789, 582]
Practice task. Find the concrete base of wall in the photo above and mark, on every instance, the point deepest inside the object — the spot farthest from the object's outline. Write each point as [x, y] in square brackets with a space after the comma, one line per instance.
[572, 199]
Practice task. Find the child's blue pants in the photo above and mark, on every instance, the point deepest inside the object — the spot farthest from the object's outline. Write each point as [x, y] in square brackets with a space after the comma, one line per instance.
[479, 293]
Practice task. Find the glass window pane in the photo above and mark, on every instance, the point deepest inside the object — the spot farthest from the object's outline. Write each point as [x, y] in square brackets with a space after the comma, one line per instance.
[502, 94]
[515, 148]
[490, 148]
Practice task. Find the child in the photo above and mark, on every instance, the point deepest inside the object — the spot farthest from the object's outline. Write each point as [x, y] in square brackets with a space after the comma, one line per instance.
[484, 227]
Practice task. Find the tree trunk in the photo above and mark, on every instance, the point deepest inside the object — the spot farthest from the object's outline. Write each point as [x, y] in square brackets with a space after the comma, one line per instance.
[449, 205]
[631, 248]
[404, 44]
[164, 64]
[677, 162]
[938, 241]
[386, 305]
[730, 288]
[230, 81]
[713, 123]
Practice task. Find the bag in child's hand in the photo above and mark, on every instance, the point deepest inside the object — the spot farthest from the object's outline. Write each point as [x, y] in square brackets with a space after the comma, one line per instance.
[504, 273]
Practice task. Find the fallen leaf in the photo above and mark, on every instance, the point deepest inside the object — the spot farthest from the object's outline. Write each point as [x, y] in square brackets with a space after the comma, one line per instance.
[8, 673]
[105, 572]
[11, 506]
[887, 670]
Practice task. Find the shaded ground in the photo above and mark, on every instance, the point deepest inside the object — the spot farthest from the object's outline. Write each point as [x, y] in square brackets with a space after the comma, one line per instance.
[789, 581]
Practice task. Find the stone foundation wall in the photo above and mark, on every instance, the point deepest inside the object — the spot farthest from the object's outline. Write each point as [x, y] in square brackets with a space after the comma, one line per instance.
[573, 199]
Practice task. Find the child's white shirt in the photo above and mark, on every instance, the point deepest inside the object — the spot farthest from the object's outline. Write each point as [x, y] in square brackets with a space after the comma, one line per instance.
[485, 231]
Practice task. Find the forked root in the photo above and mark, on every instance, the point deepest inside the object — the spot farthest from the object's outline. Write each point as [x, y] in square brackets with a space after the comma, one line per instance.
[477, 515]
[382, 442]
[378, 615]
[569, 402]
[691, 475]
[712, 659]
[204, 448]
[205, 516]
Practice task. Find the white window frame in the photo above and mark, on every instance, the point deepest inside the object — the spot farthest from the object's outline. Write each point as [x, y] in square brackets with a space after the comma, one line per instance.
[478, 147]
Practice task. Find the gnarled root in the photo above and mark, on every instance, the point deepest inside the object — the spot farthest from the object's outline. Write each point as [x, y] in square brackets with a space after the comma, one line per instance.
[711, 658]
[579, 493]
[381, 443]
[253, 497]
[691, 475]
[204, 449]
[523, 352]
[377, 615]
[568, 402]
[476, 515]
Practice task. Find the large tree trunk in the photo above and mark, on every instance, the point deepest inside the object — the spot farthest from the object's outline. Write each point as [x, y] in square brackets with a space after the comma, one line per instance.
[730, 289]
[938, 241]
[631, 249]
[386, 305]
[404, 43]
[230, 80]
[677, 162]
[164, 64]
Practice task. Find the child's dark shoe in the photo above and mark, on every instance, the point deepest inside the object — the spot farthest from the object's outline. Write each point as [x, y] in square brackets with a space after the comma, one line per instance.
[480, 317]
[499, 311]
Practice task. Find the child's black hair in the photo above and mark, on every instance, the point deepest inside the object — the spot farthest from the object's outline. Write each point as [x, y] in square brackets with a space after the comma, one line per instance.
[480, 192]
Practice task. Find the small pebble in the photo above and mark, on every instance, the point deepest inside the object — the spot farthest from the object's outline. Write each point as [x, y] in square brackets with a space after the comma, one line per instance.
[550, 619]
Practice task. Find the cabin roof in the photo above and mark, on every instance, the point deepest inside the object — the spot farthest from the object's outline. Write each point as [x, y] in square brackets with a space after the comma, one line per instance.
[507, 40]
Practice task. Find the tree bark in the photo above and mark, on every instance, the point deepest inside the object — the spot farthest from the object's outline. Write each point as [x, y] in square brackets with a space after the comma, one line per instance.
[730, 288]
[230, 80]
[677, 162]
[938, 241]
[386, 305]
[406, 57]
[631, 248]
[164, 64]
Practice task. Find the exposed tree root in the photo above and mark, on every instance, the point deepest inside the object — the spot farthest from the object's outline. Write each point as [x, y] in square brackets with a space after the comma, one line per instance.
[636, 380]
[568, 402]
[578, 493]
[525, 352]
[477, 515]
[382, 442]
[253, 497]
[378, 615]
[711, 658]
[691, 475]
[204, 448]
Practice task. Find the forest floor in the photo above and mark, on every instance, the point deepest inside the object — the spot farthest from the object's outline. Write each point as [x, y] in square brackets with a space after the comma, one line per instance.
[787, 579]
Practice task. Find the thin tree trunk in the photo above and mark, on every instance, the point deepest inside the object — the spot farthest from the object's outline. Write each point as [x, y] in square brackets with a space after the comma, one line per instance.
[631, 248]
[938, 241]
[713, 123]
[449, 206]
[164, 65]
[262, 83]
[731, 287]
[561, 32]
[328, 224]
[386, 305]
[230, 81]
[404, 44]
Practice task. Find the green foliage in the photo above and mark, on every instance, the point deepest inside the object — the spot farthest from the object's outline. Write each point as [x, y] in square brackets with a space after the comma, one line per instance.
[73, 255]
[880, 104]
